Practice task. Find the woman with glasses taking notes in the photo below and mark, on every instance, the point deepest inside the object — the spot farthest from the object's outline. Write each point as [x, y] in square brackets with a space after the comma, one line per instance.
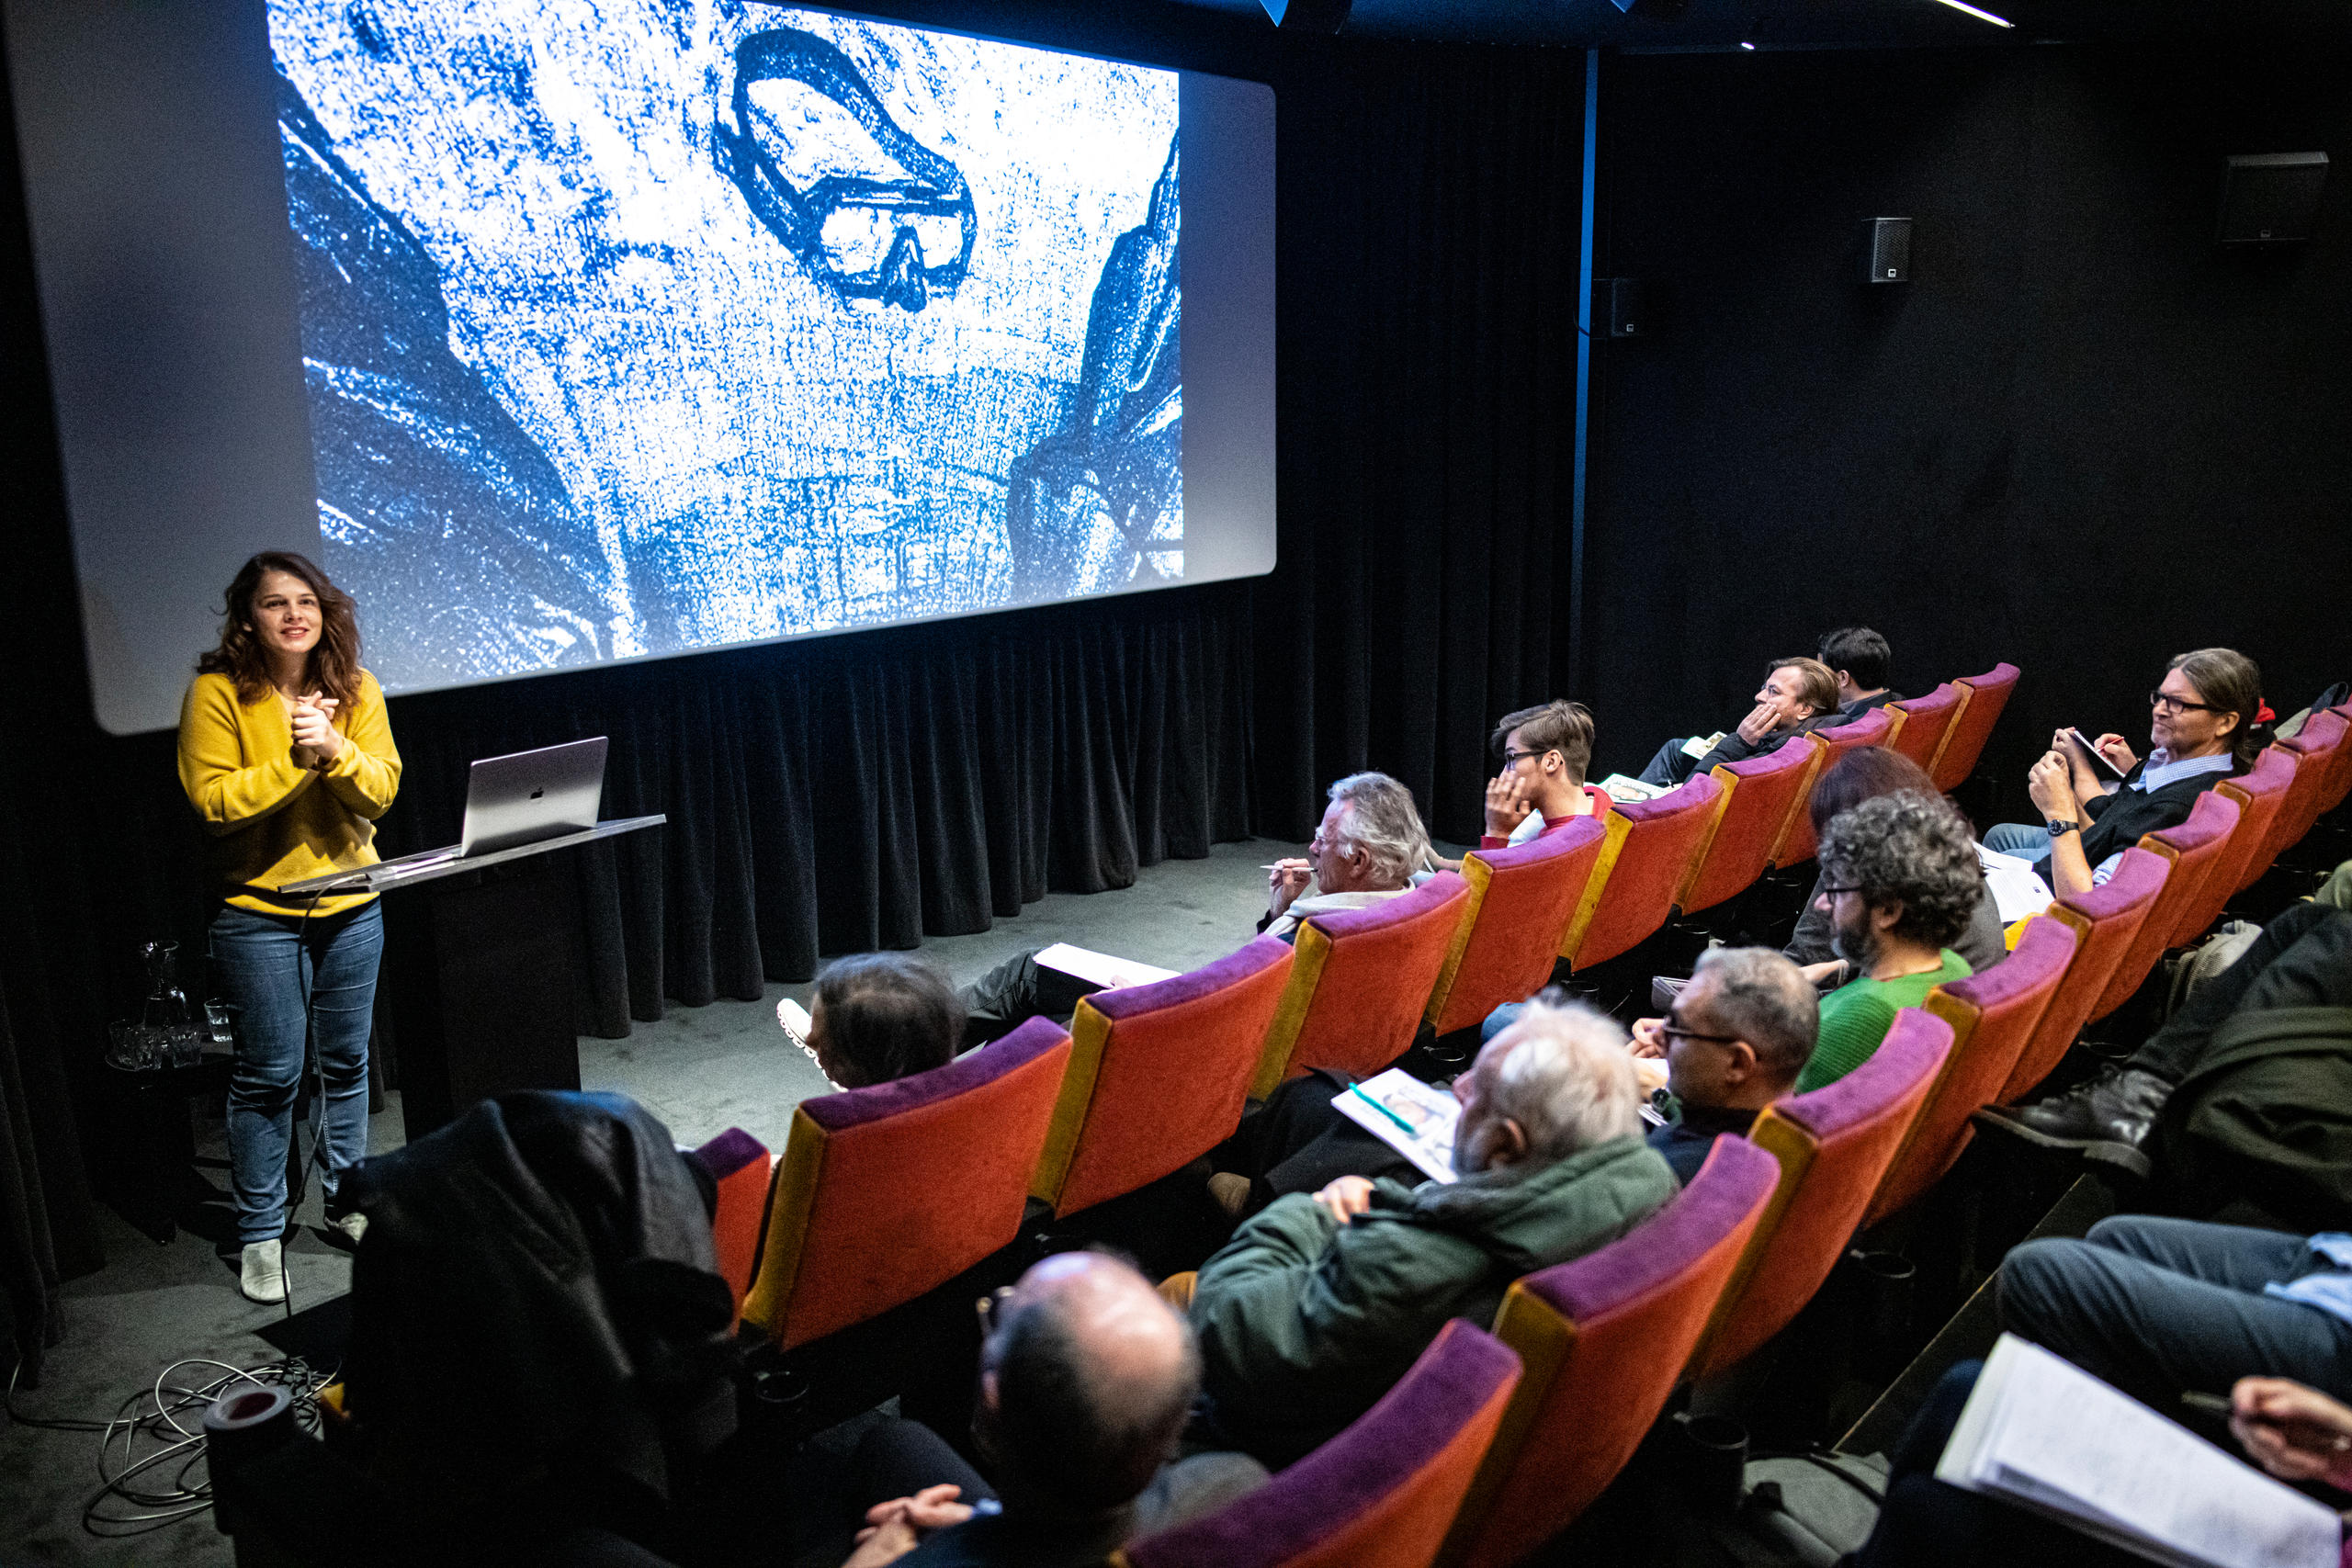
[2206, 723]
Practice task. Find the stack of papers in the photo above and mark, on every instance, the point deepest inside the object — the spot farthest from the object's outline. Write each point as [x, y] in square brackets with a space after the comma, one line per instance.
[1618, 787]
[2017, 891]
[2045, 1435]
[1410, 1116]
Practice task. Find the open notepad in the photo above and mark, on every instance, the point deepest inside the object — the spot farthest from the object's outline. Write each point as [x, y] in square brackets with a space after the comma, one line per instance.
[1410, 1116]
[1101, 968]
[2045, 1435]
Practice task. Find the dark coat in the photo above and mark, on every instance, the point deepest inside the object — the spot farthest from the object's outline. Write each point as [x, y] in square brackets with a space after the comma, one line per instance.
[536, 1299]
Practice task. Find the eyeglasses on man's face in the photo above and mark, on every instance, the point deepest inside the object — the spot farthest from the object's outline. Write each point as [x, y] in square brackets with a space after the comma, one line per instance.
[2164, 702]
[1671, 1027]
[1512, 758]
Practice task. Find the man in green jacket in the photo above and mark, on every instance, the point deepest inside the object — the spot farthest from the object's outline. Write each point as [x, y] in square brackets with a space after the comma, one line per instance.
[1320, 1304]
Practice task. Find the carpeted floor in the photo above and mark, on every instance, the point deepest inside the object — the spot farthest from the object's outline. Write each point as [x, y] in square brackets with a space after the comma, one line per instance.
[701, 1070]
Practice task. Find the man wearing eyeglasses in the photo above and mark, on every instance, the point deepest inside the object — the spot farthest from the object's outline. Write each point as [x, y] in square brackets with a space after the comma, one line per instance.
[1541, 789]
[1734, 1041]
[2204, 726]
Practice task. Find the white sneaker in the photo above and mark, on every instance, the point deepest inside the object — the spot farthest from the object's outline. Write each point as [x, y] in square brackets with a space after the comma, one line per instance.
[263, 1272]
[353, 1226]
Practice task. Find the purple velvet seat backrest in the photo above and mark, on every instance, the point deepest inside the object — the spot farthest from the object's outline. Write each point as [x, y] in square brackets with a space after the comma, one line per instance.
[1833, 1147]
[2201, 852]
[848, 1108]
[1604, 1338]
[2106, 920]
[1378, 1496]
[1991, 1015]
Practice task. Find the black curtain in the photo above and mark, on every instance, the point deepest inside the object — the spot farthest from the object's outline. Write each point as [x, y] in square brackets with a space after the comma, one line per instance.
[2083, 437]
[1428, 296]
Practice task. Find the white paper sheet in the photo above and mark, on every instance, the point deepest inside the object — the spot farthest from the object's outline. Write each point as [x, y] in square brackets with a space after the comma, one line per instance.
[1102, 968]
[2043, 1433]
[2017, 891]
[1411, 1117]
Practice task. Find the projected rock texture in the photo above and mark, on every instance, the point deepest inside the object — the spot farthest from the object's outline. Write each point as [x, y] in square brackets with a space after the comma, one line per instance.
[635, 327]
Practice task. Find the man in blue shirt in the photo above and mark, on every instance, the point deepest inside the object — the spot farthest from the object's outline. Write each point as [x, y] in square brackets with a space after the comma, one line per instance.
[2158, 1306]
[2203, 726]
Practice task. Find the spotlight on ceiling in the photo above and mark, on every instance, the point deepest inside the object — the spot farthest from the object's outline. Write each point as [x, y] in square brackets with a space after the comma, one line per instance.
[1747, 46]
[1980, 15]
[1308, 16]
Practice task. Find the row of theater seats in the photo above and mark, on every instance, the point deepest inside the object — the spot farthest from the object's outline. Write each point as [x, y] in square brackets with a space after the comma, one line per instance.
[885, 1193]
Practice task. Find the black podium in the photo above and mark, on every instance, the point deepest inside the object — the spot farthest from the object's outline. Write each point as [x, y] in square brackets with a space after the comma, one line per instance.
[480, 970]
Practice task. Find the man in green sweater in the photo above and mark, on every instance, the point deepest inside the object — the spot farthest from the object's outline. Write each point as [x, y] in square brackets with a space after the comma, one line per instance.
[1318, 1307]
[1899, 879]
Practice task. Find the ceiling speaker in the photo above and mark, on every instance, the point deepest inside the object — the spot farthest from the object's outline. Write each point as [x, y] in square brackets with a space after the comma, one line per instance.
[2271, 196]
[1308, 16]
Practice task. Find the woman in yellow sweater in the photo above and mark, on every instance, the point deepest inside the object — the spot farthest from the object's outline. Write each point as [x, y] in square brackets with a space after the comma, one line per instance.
[286, 753]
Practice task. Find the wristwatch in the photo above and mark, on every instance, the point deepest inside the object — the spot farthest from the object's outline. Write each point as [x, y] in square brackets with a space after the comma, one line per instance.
[2059, 827]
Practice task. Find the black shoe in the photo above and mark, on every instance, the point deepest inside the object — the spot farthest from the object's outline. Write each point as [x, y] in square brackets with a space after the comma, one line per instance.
[2116, 1110]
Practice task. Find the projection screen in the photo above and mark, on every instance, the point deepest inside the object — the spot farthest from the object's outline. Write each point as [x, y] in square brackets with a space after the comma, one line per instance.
[570, 330]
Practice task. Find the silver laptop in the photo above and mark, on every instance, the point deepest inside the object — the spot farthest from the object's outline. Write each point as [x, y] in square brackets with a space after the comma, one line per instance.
[524, 797]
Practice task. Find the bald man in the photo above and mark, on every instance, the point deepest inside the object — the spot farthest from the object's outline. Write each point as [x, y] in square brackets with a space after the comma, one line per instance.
[1086, 1378]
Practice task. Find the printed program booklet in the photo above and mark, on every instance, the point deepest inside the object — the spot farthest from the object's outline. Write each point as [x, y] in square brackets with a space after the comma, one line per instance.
[1411, 1117]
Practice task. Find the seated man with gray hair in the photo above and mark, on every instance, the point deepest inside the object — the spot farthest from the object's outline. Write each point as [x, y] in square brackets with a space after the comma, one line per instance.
[1734, 1041]
[1367, 848]
[1317, 1305]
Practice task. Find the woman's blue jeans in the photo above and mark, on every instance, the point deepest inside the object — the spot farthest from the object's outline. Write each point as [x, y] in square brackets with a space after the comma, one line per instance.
[267, 964]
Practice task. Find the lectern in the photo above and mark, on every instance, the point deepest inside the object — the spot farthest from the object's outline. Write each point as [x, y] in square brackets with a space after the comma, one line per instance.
[481, 972]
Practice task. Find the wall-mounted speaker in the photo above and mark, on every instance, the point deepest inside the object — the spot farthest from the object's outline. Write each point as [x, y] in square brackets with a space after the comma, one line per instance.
[2268, 198]
[1889, 249]
[1617, 306]
[1308, 16]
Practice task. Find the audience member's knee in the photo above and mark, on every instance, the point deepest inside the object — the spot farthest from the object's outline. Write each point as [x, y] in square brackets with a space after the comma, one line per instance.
[2029, 1279]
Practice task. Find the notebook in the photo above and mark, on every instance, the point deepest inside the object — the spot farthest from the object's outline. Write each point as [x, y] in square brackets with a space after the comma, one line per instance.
[2043, 1434]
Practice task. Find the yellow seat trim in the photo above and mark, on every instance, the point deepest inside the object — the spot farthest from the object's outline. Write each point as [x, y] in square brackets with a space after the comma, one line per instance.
[1090, 1036]
[768, 1305]
[1479, 875]
[1727, 781]
[1310, 948]
[1620, 827]
[1544, 1340]
[1796, 1149]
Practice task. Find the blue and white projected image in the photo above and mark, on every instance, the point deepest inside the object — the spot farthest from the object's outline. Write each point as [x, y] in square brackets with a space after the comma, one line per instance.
[635, 326]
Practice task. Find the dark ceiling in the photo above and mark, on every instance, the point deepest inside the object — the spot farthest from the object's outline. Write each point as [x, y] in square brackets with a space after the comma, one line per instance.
[1687, 24]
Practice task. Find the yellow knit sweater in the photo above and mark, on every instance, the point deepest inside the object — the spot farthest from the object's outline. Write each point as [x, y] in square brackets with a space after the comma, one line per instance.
[272, 821]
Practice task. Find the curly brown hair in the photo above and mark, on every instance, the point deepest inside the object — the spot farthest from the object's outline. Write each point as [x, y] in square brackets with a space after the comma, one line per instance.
[334, 666]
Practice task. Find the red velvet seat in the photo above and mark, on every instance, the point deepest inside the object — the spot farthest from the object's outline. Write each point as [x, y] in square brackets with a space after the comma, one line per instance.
[885, 1192]
[2339, 778]
[2261, 795]
[2192, 897]
[1381, 1493]
[1985, 697]
[1603, 1340]
[1833, 1146]
[1924, 721]
[1758, 795]
[2318, 748]
[2189, 851]
[1651, 848]
[1362, 980]
[1991, 1016]
[1520, 905]
[739, 1167]
[1158, 1074]
[2106, 921]
[1797, 845]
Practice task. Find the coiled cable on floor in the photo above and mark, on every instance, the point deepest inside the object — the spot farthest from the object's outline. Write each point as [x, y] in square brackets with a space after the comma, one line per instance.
[151, 1453]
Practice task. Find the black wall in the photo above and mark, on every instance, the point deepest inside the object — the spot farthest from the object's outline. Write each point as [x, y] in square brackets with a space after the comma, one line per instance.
[2083, 438]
